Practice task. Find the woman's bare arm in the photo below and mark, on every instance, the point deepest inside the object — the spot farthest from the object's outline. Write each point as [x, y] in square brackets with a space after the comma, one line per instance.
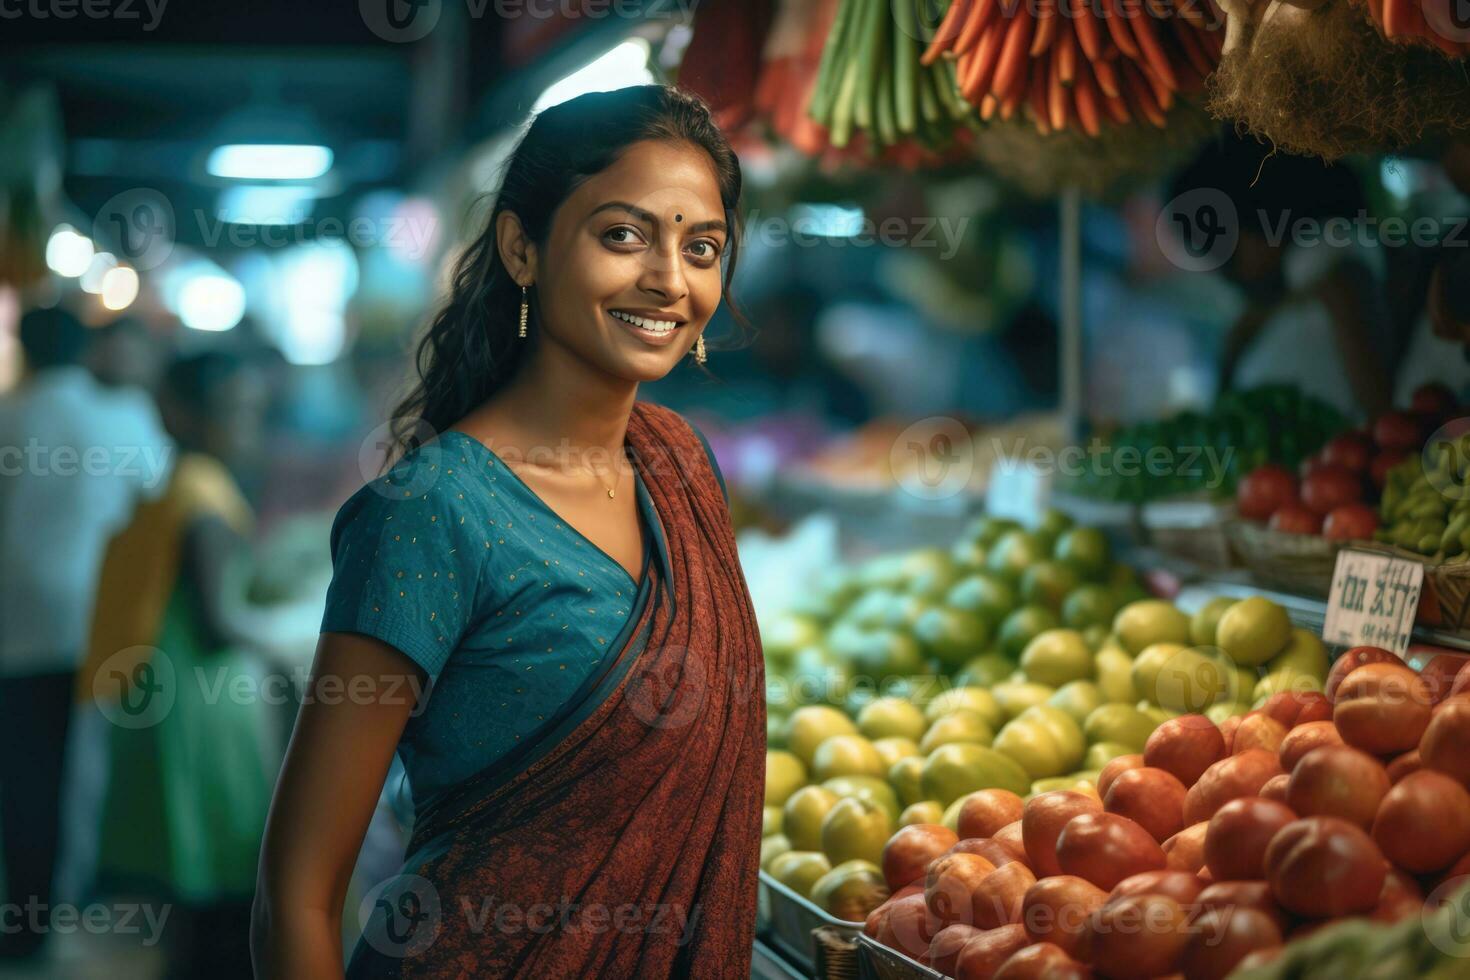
[333, 773]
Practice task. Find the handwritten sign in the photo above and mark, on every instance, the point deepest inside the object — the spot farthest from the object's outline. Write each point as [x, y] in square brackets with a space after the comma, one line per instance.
[1373, 601]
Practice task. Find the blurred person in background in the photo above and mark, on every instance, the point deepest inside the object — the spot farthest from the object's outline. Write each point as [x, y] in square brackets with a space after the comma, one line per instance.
[1313, 312]
[1432, 289]
[76, 458]
[124, 353]
[188, 791]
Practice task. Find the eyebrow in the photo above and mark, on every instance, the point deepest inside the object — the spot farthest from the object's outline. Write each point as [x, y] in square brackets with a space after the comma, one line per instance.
[652, 219]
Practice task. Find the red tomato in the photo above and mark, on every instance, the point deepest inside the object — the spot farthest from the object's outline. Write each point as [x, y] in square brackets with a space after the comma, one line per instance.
[1296, 519]
[1310, 465]
[1355, 522]
[1382, 463]
[1348, 451]
[1398, 430]
[1433, 398]
[1264, 490]
[1330, 487]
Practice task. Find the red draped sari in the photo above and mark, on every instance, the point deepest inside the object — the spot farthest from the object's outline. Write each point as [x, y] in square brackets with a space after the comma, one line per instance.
[626, 842]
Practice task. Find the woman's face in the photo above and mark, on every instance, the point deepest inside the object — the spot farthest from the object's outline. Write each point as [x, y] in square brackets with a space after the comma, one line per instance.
[641, 239]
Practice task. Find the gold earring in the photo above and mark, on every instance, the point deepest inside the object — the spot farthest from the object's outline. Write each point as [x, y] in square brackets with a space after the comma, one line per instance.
[525, 310]
[699, 349]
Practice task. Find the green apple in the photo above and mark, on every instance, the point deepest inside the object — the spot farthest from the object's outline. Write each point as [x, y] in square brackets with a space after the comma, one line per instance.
[1145, 622]
[1202, 624]
[811, 725]
[799, 870]
[784, 775]
[1304, 653]
[953, 770]
[1122, 724]
[963, 725]
[971, 698]
[1015, 697]
[1057, 656]
[855, 829]
[1078, 699]
[887, 717]
[1253, 631]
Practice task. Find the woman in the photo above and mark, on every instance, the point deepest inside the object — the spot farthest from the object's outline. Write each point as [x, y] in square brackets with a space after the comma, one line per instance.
[190, 762]
[563, 655]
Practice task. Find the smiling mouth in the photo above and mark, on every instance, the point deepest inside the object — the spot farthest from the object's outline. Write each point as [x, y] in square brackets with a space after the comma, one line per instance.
[647, 323]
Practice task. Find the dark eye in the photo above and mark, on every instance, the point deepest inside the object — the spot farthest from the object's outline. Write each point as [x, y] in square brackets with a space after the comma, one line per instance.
[708, 249]
[629, 235]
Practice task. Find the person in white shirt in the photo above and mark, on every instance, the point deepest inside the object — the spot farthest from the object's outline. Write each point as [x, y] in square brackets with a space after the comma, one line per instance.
[75, 459]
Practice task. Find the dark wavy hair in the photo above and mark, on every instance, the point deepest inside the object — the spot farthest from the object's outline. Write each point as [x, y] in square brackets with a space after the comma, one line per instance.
[471, 348]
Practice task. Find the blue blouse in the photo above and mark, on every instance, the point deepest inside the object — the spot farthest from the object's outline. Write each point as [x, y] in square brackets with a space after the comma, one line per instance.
[452, 559]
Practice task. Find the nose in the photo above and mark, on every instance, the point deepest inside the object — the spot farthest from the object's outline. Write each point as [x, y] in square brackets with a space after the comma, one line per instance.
[663, 275]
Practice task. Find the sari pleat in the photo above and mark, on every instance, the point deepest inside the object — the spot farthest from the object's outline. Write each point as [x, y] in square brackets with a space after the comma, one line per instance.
[629, 845]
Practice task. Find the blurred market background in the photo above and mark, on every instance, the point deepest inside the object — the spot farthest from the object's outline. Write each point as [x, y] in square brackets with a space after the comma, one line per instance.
[222, 224]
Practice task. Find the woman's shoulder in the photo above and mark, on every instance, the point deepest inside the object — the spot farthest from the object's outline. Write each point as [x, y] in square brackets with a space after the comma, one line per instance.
[425, 484]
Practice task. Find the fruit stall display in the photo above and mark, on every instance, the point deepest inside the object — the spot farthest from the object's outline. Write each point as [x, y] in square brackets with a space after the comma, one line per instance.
[1244, 429]
[1214, 847]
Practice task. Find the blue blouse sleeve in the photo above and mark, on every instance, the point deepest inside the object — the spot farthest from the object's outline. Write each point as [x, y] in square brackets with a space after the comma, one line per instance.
[713, 465]
[405, 566]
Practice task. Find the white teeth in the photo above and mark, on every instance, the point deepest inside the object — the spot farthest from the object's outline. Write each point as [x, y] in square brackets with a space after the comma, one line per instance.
[653, 326]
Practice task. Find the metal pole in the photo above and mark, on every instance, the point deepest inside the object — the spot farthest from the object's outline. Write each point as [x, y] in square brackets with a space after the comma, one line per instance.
[1069, 207]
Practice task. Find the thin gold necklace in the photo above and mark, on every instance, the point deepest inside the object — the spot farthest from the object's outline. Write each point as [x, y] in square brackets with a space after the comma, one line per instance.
[610, 490]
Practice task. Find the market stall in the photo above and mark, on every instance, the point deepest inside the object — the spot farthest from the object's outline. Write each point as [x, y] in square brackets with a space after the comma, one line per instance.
[1202, 718]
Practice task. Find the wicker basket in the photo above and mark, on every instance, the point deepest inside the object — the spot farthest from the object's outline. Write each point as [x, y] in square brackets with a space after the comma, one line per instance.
[1190, 528]
[1445, 602]
[792, 924]
[1297, 563]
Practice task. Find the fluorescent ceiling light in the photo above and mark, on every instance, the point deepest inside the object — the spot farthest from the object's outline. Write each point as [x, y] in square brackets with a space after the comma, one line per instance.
[266, 204]
[624, 65]
[269, 161]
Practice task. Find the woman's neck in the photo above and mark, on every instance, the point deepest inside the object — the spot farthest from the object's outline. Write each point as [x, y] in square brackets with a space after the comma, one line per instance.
[557, 396]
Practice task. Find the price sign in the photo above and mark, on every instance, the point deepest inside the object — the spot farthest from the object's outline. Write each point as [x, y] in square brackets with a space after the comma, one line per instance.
[1373, 601]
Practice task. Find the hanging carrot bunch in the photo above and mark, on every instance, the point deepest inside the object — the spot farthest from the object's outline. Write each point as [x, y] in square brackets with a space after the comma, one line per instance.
[872, 80]
[1078, 63]
[1430, 22]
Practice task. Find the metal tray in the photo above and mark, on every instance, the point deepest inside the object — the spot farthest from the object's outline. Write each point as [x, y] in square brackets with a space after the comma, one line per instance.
[786, 920]
[878, 962]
